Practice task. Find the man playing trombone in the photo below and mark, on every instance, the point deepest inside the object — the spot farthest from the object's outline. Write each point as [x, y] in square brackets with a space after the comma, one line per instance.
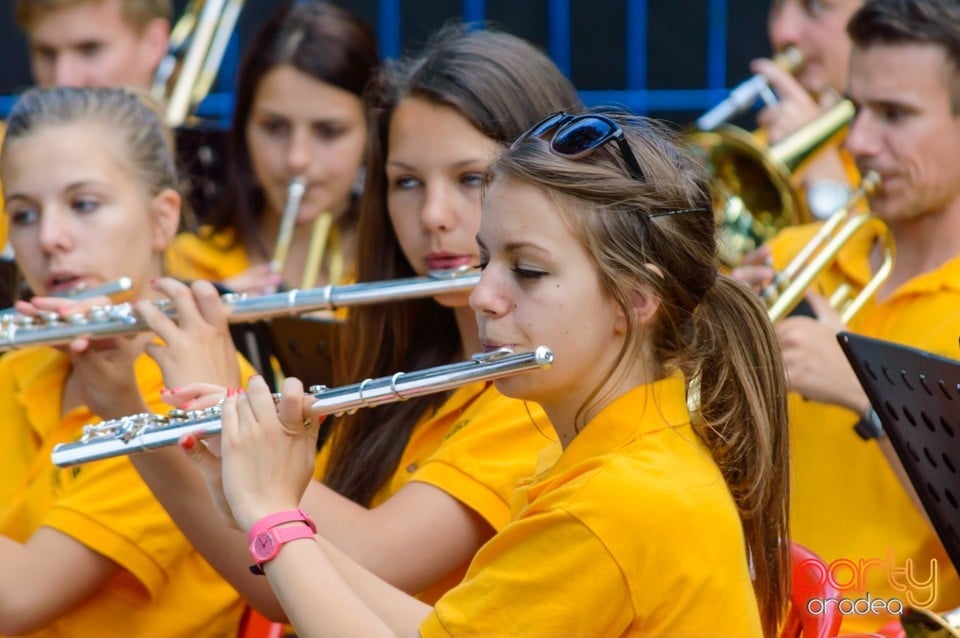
[851, 502]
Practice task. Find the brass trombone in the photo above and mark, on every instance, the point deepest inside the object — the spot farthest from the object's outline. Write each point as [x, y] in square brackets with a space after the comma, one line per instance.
[753, 183]
[197, 44]
[789, 285]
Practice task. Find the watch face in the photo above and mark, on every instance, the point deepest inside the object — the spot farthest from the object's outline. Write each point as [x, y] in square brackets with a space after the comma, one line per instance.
[263, 545]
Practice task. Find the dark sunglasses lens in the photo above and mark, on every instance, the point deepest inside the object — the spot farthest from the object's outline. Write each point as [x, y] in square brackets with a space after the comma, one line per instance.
[580, 137]
[547, 124]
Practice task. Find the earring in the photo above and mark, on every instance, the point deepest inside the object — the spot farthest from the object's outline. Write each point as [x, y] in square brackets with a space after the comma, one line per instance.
[357, 188]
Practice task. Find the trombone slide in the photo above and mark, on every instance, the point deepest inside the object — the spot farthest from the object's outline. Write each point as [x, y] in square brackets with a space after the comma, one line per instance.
[179, 104]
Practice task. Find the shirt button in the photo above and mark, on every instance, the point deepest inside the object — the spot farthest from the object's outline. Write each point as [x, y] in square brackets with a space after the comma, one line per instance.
[411, 468]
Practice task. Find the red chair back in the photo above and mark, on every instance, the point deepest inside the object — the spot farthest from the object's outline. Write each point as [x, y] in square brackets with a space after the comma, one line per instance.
[808, 582]
[254, 625]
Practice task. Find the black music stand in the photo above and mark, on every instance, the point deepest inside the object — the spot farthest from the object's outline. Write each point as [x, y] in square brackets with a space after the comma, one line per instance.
[917, 397]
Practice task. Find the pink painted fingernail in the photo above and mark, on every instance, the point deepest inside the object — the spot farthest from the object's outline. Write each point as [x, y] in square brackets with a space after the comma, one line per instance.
[187, 441]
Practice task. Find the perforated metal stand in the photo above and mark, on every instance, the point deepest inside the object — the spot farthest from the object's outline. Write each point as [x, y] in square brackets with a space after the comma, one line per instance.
[917, 397]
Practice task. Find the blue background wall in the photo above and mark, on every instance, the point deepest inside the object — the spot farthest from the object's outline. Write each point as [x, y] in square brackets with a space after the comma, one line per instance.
[667, 58]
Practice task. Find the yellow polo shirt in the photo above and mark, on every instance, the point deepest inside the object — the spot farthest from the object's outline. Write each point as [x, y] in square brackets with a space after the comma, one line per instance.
[632, 532]
[476, 447]
[847, 504]
[206, 255]
[3, 214]
[164, 587]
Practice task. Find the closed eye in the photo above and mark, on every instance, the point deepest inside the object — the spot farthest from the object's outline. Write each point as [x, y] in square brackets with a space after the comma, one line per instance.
[526, 273]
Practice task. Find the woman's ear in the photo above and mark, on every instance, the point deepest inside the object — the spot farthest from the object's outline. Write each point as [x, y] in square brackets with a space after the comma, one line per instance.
[166, 217]
[644, 303]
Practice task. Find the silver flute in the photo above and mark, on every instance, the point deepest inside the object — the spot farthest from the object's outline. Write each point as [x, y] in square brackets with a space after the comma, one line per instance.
[50, 329]
[109, 289]
[295, 192]
[146, 431]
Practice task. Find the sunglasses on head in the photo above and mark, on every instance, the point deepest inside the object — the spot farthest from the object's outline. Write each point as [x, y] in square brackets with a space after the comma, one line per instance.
[576, 136]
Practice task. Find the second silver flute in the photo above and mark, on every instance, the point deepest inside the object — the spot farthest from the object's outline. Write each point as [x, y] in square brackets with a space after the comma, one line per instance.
[51, 329]
[140, 432]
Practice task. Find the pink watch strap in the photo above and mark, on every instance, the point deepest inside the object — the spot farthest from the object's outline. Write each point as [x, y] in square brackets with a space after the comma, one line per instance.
[281, 536]
[280, 518]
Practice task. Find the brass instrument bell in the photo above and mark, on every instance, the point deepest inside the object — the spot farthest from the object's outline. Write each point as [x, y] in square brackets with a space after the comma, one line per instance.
[753, 183]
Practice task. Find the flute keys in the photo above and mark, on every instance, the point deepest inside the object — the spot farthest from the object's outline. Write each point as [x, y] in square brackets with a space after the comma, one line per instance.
[76, 319]
[48, 317]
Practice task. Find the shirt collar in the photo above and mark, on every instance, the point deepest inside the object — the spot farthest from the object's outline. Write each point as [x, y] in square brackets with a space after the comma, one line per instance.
[853, 261]
[643, 410]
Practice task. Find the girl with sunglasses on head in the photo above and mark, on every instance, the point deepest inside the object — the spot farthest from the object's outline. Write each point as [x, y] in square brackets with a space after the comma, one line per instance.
[412, 489]
[90, 190]
[298, 116]
[667, 395]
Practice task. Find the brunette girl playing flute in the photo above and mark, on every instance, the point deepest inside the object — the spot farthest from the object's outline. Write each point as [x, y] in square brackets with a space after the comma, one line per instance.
[410, 490]
[667, 395]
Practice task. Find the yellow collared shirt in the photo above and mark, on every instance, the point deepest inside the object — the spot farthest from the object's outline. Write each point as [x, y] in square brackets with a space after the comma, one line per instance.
[206, 255]
[165, 588]
[476, 447]
[847, 504]
[632, 532]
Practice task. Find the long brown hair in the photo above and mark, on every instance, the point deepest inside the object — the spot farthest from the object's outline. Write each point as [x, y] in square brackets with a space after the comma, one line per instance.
[708, 326]
[501, 84]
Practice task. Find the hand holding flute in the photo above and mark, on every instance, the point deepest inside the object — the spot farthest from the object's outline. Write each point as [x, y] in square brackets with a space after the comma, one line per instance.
[265, 449]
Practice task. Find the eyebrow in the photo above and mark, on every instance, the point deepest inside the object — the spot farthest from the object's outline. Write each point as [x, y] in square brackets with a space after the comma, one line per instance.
[514, 246]
[270, 111]
[460, 164]
[72, 186]
[49, 47]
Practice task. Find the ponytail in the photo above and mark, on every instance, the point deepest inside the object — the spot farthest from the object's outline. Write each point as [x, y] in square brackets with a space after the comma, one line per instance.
[743, 421]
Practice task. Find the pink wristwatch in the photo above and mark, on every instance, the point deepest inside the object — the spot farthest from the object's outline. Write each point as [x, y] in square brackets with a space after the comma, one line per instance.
[266, 537]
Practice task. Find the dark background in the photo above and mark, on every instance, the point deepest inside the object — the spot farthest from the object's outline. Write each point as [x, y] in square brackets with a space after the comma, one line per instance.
[681, 62]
